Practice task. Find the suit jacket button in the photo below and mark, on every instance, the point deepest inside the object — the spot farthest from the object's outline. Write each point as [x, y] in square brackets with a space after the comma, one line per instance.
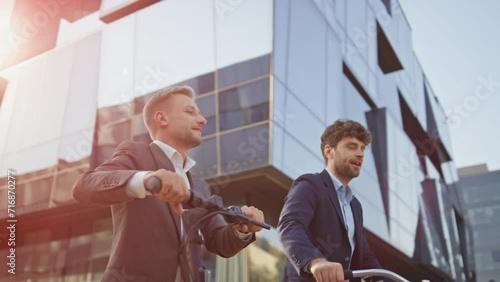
[347, 259]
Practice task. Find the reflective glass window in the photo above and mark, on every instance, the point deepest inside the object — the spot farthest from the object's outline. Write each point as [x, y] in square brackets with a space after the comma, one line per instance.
[205, 156]
[245, 149]
[244, 104]
[41, 95]
[244, 30]
[357, 25]
[302, 122]
[335, 98]
[201, 84]
[75, 149]
[62, 186]
[298, 159]
[307, 56]
[108, 114]
[109, 137]
[32, 159]
[34, 192]
[279, 97]
[280, 51]
[117, 66]
[83, 84]
[175, 41]
[243, 71]
[138, 128]
[278, 146]
[140, 102]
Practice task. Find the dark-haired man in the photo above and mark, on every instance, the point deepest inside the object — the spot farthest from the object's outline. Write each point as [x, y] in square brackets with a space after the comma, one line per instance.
[321, 224]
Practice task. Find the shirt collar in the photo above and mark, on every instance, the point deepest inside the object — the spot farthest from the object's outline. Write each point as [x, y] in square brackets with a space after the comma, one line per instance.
[175, 157]
[340, 188]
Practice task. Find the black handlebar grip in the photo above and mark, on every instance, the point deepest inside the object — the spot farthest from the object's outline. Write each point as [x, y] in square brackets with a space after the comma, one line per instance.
[347, 274]
[153, 185]
[195, 200]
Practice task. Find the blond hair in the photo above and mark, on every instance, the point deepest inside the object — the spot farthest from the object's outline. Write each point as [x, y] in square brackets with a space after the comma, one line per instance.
[158, 97]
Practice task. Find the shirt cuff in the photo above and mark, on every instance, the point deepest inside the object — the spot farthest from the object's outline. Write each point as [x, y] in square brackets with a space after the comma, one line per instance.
[245, 237]
[135, 185]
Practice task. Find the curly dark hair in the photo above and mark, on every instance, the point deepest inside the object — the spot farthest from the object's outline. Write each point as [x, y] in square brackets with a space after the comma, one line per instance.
[344, 128]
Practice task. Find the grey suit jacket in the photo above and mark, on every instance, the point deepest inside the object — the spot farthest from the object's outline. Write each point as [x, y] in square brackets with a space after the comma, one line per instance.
[146, 232]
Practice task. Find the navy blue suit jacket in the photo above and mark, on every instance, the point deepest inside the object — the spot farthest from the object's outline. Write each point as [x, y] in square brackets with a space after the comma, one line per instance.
[311, 225]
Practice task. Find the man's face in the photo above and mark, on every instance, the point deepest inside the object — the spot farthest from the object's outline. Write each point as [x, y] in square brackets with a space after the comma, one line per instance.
[348, 158]
[185, 122]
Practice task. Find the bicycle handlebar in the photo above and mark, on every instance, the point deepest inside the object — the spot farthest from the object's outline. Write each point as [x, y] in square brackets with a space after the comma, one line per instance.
[349, 274]
[232, 214]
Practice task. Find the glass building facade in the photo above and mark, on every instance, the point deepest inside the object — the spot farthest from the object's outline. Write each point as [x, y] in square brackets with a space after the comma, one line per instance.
[480, 194]
[269, 77]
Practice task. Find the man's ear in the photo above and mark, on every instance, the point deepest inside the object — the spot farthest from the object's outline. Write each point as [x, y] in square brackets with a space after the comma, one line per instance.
[161, 119]
[329, 151]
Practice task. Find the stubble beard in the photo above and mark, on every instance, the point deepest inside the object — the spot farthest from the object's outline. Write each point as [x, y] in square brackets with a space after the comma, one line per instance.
[345, 170]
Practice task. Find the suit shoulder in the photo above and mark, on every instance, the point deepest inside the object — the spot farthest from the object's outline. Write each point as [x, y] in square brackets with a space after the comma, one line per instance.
[134, 150]
[310, 177]
[129, 145]
[311, 180]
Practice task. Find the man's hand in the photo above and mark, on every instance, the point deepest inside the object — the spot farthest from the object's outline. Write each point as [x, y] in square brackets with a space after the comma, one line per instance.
[252, 213]
[173, 191]
[326, 271]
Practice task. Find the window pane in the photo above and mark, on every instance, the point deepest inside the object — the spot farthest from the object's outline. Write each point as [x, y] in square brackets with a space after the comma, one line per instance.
[245, 149]
[281, 24]
[244, 104]
[112, 113]
[243, 31]
[243, 71]
[82, 99]
[117, 66]
[109, 137]
[205, 156]
[63, 182]
[35, 194]
[31, 159]
[75, 149]
[139, 103]
[180, 45]
[307, 61]
[201, 84]
[138, 127]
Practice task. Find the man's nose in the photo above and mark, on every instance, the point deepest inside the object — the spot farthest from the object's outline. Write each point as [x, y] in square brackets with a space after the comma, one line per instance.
[360, 153]
[201, 120]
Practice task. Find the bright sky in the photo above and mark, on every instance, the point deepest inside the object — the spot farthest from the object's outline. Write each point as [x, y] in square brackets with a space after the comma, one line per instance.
[458, 45]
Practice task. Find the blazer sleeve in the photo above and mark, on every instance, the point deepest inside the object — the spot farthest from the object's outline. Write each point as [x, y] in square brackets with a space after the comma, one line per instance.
[106, 184]
[295, 219]
[220, 237]
[369, 260]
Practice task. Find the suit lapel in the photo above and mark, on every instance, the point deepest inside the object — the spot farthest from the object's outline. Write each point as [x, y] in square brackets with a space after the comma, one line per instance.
[332, 194]
[358, 227]
[162, 161]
